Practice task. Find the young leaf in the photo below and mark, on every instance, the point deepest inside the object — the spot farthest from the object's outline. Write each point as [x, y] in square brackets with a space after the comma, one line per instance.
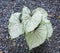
[43, 12]
[25, 13]
[45, 19]
[33, 21]
[25, 16]
[37, 37]
[49, 27]
[15, 27]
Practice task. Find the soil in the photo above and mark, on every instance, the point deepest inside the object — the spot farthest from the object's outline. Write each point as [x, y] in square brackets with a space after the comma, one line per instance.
[19, 45]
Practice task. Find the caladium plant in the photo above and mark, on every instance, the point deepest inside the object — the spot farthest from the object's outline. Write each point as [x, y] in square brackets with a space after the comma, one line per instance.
[34, 25]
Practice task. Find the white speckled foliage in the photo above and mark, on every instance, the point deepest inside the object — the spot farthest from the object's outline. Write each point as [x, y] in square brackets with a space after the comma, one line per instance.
[34, 25]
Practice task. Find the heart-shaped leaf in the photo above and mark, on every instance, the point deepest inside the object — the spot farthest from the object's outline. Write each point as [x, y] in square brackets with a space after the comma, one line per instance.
[15, 27]
[45, 19]
[42, 11]
[37, 37]
[33, 21]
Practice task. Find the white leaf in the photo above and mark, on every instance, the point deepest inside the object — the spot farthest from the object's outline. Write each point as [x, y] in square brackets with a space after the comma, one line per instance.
[45, 19]
[25, 13]
[25, 16]
[15, 27]
[49, 27]
[43, 12]
[30, 22]
[37, 37]
[33, 22]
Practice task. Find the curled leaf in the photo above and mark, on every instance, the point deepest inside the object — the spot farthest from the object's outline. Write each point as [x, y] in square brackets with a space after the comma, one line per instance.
[49, 27]
[15, 27]
[25, 13]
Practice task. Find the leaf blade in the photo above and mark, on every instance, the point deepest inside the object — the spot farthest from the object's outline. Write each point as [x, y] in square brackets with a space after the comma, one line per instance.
[36, 38]
[49, 27]
[33, 22]
[15, 27]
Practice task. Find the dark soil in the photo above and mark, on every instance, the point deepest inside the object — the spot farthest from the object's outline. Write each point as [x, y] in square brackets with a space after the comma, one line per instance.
[19, 45]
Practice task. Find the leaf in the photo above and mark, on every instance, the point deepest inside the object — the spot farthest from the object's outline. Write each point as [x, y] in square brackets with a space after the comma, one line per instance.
[49, 27]
[25, 16]
[25, 13]
[43, 12]
[33, 21]
[15, 27]
[37, 37]
[50, 30]
[45, 19]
